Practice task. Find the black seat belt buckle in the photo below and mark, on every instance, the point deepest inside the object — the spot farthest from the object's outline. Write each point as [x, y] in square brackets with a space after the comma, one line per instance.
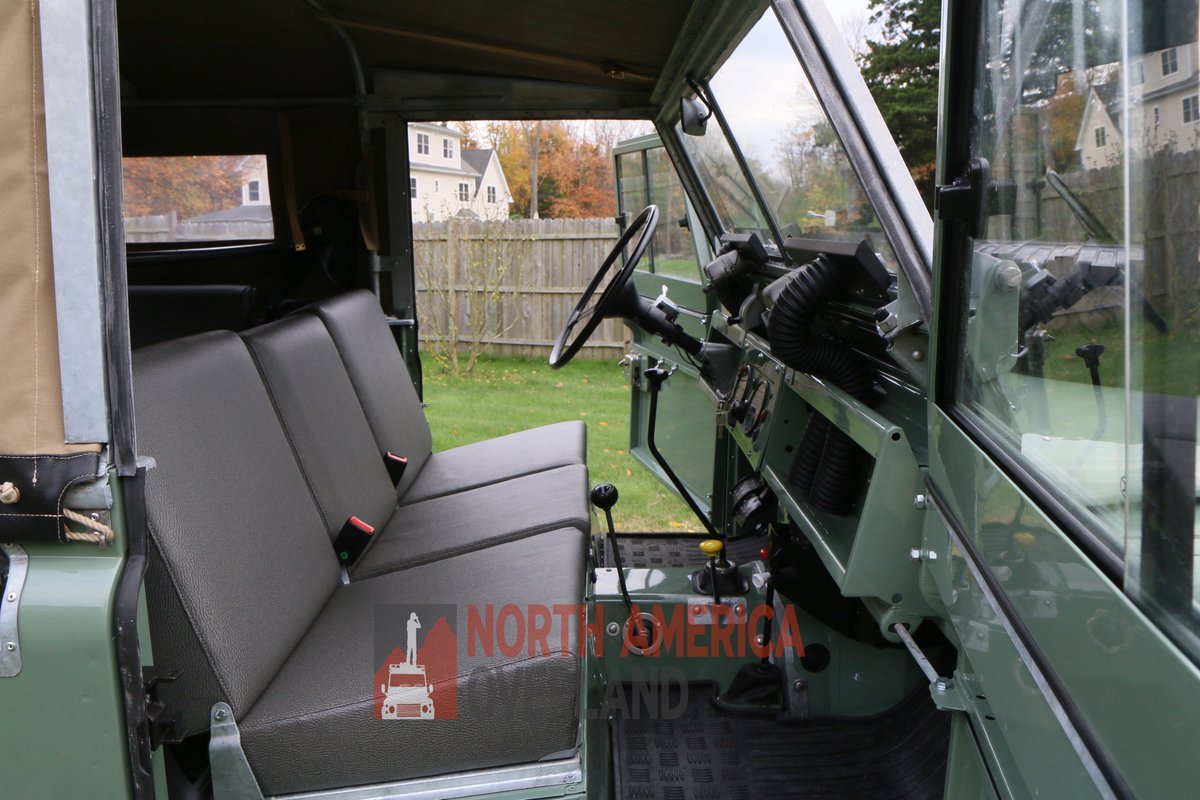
[352, 540]
[395, 466]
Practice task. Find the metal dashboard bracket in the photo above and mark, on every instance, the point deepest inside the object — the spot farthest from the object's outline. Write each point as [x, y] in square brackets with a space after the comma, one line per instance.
[232, 778]
[10, 603]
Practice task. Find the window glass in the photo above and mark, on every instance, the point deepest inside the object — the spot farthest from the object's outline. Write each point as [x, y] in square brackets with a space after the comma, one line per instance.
[726, 184]
[1082, 339]
[673, 247]
[197, 199]
[794, 155]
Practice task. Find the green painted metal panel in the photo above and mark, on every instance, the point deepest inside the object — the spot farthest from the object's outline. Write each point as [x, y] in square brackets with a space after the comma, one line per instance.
[1135, 689]
[63, 731]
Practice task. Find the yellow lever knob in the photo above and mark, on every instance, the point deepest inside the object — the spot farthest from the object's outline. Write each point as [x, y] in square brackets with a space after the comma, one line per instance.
[710, 547]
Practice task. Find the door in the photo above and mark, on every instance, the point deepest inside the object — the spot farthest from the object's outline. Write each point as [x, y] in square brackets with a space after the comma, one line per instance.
[671, 266]
[1063, 432]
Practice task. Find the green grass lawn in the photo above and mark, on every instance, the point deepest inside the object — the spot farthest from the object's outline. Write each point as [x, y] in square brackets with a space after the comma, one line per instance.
[504, 395]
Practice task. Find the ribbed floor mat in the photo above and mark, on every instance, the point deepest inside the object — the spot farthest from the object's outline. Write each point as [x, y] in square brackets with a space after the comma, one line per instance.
[709, 754]
[658, 550]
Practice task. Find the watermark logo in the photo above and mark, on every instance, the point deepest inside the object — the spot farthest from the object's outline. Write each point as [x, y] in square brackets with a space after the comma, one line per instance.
[416, 662]
[418, 675]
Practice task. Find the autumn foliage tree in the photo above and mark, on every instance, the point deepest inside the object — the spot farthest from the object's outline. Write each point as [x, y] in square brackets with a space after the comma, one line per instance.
[186, 185]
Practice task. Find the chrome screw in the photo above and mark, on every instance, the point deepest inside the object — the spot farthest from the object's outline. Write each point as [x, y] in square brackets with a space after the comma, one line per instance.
[612, 629]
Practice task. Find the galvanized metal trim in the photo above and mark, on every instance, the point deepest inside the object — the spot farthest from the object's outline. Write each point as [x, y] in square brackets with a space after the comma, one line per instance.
[232, 778]
[1096, 762]
[540, 775]
[71, 161]
[10, 604]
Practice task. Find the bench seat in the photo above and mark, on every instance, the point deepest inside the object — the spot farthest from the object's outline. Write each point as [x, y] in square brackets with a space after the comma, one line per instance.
[264, 448]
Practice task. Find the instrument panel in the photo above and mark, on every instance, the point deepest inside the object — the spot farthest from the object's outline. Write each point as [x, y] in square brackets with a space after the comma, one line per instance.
[749, 405]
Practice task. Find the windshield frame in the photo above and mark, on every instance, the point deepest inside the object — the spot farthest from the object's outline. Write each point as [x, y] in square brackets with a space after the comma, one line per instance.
[861, 132]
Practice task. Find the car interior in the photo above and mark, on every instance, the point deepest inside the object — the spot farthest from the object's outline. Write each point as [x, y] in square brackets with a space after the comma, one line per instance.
[295, 488]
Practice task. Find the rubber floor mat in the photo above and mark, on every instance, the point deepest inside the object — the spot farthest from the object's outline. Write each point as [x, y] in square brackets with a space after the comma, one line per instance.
[710, 754]
[657, 550]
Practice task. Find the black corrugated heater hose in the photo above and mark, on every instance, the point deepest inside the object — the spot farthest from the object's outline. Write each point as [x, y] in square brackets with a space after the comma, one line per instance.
[828, 462]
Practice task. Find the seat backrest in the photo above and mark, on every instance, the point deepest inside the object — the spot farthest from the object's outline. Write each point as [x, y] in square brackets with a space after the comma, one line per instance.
[160, 313]
[323, 420]
[380, 377]
[240, 564]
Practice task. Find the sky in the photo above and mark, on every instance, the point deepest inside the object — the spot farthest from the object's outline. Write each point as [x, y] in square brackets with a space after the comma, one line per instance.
[763, 90]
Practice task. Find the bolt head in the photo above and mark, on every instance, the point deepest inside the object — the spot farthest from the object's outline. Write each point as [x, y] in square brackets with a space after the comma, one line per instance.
[918, 355]
[919, 502]
[798, 684]
[914, 554]
[943, 684]
[931, 555]
[220, 715]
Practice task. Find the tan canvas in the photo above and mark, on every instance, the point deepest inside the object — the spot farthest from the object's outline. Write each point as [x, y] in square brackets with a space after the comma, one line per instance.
[30, 390]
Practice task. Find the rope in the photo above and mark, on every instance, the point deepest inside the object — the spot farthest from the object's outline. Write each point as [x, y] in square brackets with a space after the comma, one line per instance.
[100, 533]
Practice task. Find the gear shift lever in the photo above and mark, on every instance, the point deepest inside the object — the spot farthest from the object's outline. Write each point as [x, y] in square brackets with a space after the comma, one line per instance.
[604, 497]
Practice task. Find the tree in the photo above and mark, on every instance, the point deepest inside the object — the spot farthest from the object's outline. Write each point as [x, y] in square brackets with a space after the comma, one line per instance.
[901, 69]
[533, 147]
[186, 185]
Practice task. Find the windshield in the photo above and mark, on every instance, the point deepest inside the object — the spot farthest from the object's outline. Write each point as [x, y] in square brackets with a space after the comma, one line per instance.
[791, 149]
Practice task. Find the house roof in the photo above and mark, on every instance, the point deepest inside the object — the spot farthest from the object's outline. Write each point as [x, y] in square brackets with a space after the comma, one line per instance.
[477, 160]
[1109, 95]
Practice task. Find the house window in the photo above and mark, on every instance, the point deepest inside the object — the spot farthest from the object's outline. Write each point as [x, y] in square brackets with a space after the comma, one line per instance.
[1138, 76]
[252, 192]
[464, 192]
[491, 194]
[423, 144]
[412, 187]
[437, 186]
[1156, 116]
[1170, 61]
[1101, 136]
[1191, 108]
[447, 148]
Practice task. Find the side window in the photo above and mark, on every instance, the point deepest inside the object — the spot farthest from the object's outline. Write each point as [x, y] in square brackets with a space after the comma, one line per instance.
[647, 176]
[1081, 340]
[197, 199]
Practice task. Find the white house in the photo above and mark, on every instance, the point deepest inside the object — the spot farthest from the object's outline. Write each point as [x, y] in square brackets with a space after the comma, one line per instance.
[1164, 108]
[445, 180]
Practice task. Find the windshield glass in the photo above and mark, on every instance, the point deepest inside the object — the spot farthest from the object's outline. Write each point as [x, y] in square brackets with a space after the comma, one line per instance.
[792, 151]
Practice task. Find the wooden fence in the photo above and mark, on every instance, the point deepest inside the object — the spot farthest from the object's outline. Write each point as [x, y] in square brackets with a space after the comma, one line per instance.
[511, 283]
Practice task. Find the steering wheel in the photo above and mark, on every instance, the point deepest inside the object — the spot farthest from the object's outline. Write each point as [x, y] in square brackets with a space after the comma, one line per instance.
[614, 276]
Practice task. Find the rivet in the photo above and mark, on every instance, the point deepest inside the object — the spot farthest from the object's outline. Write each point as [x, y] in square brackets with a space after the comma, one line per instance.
[918, 355]
[10, 646]
[798, 684]
[12, 596]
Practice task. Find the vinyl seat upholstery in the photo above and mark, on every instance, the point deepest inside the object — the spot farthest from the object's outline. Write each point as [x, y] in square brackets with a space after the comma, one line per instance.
[265, 443]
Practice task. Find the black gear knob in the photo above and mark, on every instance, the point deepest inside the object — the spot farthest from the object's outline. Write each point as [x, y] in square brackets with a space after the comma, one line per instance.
[604, 496]
[1090, 353]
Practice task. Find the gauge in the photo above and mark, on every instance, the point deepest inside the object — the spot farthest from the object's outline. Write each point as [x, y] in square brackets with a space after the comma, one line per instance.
[757, 407]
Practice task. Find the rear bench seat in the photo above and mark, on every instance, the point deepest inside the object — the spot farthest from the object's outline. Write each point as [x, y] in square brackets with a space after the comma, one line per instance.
[263, 446]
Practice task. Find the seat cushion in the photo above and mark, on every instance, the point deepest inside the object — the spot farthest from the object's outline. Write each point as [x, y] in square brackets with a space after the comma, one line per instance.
[324, 422]
[479, 518]
[380, 377]
[315, 727]
[240, 563]
[502, 458]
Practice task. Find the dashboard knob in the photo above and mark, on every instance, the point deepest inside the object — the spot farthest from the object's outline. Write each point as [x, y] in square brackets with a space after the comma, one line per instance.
[711, 547]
